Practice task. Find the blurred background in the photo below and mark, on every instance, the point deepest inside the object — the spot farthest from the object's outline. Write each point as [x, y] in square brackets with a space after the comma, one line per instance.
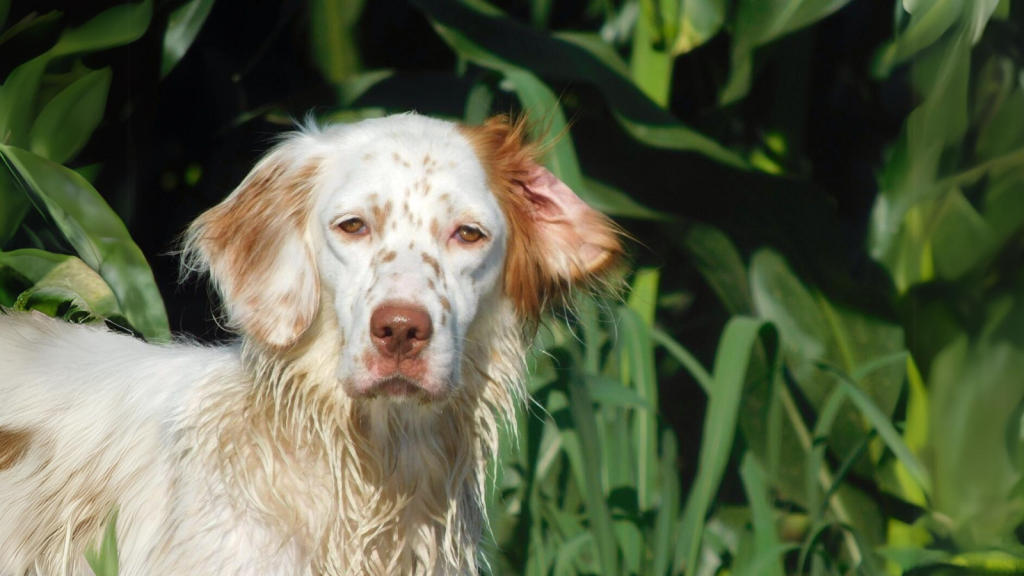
[818, 367]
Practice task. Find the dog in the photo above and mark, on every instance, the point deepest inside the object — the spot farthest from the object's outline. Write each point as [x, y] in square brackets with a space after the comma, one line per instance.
[384, 279]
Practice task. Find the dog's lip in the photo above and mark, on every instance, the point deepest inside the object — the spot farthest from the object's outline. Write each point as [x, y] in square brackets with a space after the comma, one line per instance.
[396, 385]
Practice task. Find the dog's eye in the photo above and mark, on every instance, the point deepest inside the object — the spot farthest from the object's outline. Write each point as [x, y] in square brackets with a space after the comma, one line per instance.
[352, 226]
[469, 234]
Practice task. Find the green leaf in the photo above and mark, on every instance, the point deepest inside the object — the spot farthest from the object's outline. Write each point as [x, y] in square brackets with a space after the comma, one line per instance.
[615, 202]
[962, 237]
[608, 392]
[815, 330]
[114, 27]
[30, 21]
[643, 294]
[699, 21]
[721, 265]
[104, 561]
[67, 121]
[974, 394]
[731, 359]
[684, 357]
[668, 509]
[652, 59]
[767, 549]
[759, 22]
[582, 409]
[98, 235]
[66, 276]
[18, 100]
[880, 421]
[14, 205]
[183, 25]
[5, 8]
[479, 33]
[637, 353]
[332, 35]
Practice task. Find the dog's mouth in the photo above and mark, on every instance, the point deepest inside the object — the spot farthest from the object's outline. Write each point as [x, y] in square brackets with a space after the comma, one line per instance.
[397, 387]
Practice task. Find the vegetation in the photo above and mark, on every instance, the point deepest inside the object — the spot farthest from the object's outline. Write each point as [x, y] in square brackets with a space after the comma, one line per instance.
[818, 366]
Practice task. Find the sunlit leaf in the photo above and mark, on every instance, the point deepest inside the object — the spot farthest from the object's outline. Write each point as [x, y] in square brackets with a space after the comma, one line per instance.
[67, 121]
[183, 25]
[332, 24]
[98, 235]
[114, 27]
[731, 359]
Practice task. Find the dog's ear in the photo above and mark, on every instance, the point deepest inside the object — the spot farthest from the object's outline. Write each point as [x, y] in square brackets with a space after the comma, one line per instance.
[255, 245]
[555, 240]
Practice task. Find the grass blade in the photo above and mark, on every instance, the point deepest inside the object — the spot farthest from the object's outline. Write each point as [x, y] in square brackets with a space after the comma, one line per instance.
[734, 351]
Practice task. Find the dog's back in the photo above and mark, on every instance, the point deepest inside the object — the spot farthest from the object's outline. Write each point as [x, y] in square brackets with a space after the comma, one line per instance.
[88, 420]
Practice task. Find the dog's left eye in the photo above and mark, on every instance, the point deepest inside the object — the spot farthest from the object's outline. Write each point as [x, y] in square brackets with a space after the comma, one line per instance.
[352, 226]
[469, 234]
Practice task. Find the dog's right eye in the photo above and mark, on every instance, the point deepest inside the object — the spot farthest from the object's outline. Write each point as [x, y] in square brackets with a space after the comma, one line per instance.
[352, 226]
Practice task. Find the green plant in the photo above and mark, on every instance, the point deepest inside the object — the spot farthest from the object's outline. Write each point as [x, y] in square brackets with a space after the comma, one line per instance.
[861, 415]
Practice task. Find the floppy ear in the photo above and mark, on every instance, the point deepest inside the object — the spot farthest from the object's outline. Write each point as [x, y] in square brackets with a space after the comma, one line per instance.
[555, 240]
[255, 244]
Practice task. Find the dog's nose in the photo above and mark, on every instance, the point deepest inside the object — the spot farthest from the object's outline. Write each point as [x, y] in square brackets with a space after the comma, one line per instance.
[399, 330]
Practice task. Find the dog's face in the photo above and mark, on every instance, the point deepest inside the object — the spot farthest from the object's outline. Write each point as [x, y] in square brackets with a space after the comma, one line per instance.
[414, 231]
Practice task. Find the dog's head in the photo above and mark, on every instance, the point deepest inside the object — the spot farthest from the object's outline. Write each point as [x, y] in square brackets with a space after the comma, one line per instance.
[412, 232]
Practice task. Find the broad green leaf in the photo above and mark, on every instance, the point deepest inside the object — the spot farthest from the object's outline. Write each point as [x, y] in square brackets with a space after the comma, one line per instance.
[815, 330]
[975, 390]
[479, 33]
[734, 351]
[98, 235]
[67, 121]
[961, 237]
[114, 27]
[1005, 132]
[14, 205]
[104, 560]
[928, 22]
[758, 22]
[597, 47]
[183, 25]
[880, 421]
[332, 37]
[721, 265]
[50, 273]
[27, 23]
[651, 59]
[5, 8]
[699, 21]
[18, 100]
[615, 202]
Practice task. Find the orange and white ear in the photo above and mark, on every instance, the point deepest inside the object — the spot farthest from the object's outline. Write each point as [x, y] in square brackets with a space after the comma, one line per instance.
[555, 240]
[255, 245]
[577, 241]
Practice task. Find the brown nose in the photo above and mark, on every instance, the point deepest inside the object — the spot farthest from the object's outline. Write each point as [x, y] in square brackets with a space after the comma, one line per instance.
[400, 331]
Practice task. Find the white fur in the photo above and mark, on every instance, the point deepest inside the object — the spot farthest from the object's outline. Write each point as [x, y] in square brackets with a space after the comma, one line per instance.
[255, 458]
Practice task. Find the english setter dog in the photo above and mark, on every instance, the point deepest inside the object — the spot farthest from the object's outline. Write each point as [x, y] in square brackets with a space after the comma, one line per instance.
[383, 278]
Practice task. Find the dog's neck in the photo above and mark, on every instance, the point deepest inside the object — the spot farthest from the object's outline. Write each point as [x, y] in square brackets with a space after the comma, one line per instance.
[370, 486]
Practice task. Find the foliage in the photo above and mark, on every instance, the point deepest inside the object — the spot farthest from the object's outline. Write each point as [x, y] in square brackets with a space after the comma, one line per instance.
[863, 409]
